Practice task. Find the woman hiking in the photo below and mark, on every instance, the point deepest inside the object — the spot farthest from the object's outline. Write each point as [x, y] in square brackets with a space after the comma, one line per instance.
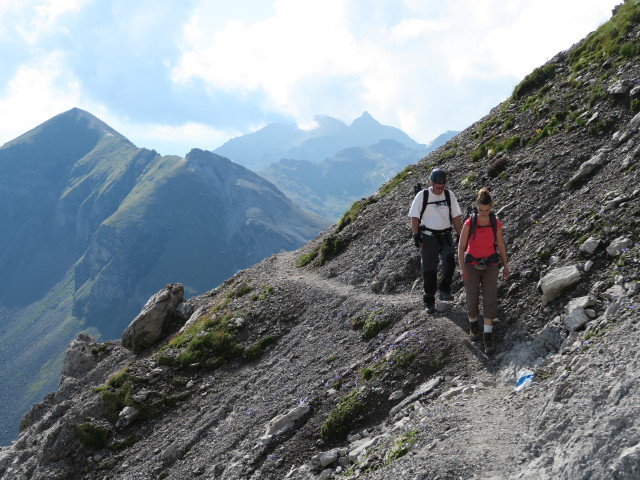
[480, 247]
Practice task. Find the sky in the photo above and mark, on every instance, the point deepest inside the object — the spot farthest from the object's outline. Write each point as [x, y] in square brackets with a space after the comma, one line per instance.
[172, 75]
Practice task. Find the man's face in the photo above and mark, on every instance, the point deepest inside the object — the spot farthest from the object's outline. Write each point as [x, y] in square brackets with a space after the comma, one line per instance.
[438, 188]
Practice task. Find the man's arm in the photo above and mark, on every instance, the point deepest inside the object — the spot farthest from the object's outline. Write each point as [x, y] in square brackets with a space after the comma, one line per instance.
[457, 225]
[415, 225]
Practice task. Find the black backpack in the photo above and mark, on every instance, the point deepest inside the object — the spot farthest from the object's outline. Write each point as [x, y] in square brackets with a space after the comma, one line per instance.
[425, 200]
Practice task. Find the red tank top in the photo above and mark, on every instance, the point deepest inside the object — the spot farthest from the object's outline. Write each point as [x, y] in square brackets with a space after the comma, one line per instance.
[481, 242]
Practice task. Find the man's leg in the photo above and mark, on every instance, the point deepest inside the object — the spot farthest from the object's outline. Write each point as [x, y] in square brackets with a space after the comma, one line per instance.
[448, 267]
[430, 250]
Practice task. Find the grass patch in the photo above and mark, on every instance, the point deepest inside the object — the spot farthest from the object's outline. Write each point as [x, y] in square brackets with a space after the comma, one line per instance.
[401, 447]
[93, 436]
[306, 258]
[371, 322]
[609, 41]
[351, 215]
[256, 350]
[265, 291]
[345, 416]
[394, 182]
[533, 81]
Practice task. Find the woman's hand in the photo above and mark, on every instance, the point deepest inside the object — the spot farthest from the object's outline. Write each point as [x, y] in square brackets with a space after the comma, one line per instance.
[463, 271]
[505, 272]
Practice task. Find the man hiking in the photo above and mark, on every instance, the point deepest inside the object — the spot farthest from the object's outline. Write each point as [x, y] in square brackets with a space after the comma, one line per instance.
[433, 212]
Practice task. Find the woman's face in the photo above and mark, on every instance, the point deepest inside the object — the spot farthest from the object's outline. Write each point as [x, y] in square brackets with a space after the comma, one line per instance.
[483, 210]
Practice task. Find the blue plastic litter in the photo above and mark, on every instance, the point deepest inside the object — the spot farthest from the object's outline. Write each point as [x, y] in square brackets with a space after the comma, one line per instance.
[523, 380]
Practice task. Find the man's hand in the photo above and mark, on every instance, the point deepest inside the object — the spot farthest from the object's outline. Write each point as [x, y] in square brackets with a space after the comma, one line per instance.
[417, 239]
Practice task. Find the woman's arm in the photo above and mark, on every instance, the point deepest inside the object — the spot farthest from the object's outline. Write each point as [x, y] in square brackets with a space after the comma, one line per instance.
[462, 246]
[502, 250]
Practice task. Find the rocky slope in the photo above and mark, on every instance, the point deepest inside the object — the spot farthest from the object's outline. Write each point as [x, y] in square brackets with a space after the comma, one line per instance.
[321, 363]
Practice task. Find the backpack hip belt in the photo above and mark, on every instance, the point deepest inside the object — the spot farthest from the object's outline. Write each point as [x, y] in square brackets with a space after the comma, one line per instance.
[493, 258]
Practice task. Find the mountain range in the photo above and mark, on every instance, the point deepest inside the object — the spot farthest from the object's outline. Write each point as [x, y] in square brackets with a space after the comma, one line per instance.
[327, 168]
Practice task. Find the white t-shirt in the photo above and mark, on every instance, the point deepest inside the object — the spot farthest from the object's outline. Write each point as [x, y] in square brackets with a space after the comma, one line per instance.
[436, 215]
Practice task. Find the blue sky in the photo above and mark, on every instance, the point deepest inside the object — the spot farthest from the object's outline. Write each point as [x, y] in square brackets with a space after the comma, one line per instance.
[177, 74]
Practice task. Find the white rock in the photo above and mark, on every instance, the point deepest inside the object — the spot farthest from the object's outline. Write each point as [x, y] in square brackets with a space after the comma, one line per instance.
[618, 245]
[575, 314]
[590, 245]
[327, 458]
[283, 422]
[552, 284]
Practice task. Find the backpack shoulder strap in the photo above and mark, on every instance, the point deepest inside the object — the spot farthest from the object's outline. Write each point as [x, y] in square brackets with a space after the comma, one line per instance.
[447, 197]
[472, 226]
[425, 200]
[494, 223]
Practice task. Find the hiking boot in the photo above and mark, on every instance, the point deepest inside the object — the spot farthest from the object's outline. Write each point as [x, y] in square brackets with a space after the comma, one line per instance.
[430, 308]
[445, 296]
[489, 347]
[474, 330]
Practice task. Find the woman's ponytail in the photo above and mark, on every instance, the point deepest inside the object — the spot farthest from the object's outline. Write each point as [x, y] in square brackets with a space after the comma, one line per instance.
[484, 197]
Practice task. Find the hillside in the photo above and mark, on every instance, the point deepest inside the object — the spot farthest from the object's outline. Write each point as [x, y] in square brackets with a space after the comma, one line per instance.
[89, 223]
[321, 363]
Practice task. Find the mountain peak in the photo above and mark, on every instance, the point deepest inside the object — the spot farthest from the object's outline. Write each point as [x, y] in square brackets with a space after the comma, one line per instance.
[365, 119]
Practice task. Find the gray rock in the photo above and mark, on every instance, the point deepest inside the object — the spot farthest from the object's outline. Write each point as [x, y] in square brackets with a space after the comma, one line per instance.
[151, 324]
[78, 359]
[587, 168]
[590, 244]
[127, 416]
[281, 423]
[620, 87]
[618, 246]
[576, 316]
[552, 284]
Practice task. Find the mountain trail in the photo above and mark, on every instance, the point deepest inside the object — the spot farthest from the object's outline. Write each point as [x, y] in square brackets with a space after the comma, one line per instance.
[475, 409]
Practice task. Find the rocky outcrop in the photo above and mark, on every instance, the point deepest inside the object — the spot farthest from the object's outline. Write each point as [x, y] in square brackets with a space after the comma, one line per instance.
[160, 314]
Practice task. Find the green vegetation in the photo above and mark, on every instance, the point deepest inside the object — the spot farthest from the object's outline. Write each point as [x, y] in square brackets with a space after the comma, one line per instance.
[306, 258]
[447, 154]
[265, 291]
[533, 81]
[372, 322]
[393, 183]
[211, 347]
[242, 290]
[635, 105]
[93, 436]
[402, 446]
[331, 247]
[468, 180]
[609, 41]
[345, 416]
[354, 211]
[256, 350]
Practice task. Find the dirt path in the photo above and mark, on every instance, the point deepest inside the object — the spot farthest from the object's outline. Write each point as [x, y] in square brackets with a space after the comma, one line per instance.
[471, 435]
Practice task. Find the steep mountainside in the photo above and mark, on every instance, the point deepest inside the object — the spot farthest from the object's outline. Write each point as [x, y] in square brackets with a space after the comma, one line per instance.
[89, 223]
[322, 363]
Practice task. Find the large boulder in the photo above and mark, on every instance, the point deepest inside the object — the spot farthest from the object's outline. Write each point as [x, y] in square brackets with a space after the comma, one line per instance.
[552, 284]
[154, 321]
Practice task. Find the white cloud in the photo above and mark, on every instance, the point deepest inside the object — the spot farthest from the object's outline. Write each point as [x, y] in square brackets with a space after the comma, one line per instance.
[35, 93]
[174, 139]
[397, 73]
[39, 17]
